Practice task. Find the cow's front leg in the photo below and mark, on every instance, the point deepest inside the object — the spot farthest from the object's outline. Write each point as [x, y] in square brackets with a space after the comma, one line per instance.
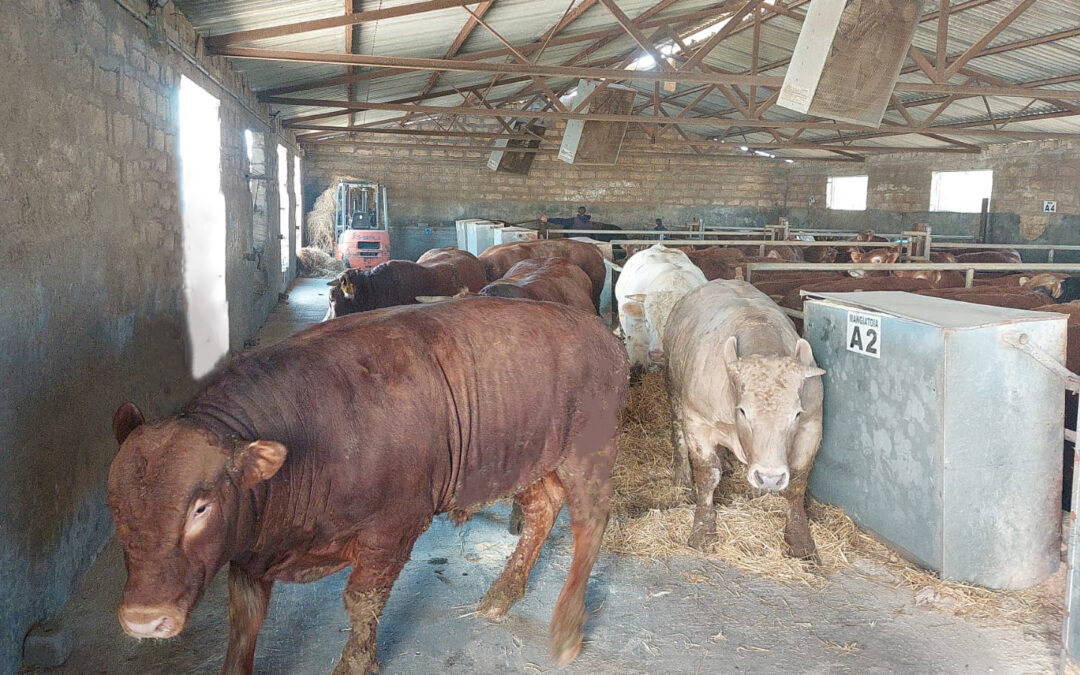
[706, 466]
[366, 593]
[797, 528]
[248, 599]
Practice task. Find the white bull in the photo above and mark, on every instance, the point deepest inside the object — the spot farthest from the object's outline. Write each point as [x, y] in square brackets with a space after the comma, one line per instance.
[742, 379]
[652, 281]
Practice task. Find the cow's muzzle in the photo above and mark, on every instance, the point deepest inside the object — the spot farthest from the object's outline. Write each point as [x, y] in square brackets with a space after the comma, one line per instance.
[768, 479]
[152, 622]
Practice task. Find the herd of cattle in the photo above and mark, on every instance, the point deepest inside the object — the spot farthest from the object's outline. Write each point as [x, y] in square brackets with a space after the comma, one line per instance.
[441, 385]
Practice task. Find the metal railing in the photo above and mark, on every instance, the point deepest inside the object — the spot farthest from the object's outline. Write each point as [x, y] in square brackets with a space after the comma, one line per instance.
[969, 269]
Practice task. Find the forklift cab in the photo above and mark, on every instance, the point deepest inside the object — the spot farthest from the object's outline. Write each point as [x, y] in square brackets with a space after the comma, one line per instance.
[361, 224]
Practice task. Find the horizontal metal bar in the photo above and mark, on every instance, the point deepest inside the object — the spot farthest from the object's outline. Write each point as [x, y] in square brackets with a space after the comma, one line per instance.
[914, 266]
[1019, 247]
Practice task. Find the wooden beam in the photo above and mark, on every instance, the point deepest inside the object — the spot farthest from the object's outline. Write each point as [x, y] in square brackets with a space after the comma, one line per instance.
[940, 62]
[645, 119]
[733, 22]
[974, 49]
[635, 33]
[461, 66]
[528, 49]
[459, 41]
[335, 21]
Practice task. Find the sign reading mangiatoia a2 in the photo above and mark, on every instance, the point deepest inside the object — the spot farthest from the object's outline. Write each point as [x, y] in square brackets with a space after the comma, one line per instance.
[864, 334]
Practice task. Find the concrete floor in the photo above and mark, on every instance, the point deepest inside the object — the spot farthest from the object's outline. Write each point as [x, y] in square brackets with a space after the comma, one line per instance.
[676, 615]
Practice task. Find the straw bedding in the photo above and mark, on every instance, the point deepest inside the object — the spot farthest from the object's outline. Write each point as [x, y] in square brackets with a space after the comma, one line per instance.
[652, 518]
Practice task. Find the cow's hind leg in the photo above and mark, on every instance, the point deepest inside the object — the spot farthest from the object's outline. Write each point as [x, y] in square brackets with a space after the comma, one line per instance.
[588, 494]
[539, 505]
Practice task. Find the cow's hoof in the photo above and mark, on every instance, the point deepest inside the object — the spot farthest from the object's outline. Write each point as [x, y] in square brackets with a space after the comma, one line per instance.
[565, 656]
[496, 603]
[701, 537]
[356, 665]
[802, 547]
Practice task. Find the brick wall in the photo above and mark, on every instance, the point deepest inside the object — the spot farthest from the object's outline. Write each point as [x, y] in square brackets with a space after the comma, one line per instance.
[1025, 174]
[440, 186]
[91, 282]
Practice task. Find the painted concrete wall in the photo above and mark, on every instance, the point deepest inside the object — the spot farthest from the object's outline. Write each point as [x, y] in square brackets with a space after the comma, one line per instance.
[90, 280]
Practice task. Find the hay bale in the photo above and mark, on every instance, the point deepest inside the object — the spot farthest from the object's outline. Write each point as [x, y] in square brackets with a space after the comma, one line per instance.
[652, 518]
[316, 263]
[319, 224]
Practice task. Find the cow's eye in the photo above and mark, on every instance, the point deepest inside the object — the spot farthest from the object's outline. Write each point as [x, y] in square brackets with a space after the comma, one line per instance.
[798, 414]
[742, 412]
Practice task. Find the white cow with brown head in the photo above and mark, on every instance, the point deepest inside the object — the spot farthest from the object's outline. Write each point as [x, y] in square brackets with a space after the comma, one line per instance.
[742, 379]
[650, 284]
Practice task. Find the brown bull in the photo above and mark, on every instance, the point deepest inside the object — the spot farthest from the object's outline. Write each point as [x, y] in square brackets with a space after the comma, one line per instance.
[498, 260]
[289, 471]
[440, 271]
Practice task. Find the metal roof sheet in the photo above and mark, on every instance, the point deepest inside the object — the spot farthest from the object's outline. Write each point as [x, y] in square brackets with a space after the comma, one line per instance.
[520, 22]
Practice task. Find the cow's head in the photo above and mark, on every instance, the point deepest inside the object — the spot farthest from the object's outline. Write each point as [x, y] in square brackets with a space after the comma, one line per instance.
[877, 256]
[1047, 283]
[180, 498]
[769, 395]
[646, 346]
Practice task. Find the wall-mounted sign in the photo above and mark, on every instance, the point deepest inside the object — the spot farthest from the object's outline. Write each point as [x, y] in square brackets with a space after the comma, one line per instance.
[1050, 207]
[864, 334]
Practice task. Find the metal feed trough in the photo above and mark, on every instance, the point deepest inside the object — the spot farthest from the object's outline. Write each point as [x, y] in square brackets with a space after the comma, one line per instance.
[943, 430]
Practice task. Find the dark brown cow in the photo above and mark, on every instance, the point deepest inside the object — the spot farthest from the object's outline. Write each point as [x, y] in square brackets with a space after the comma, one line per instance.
[289, 470]
[498, 260]
[440, 271]
[547, 279]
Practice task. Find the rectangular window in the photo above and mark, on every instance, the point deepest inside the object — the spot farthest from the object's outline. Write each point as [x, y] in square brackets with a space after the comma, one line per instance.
[960, 191]
[846, 193]
[203, 217]
[298, 200]
[283, 205]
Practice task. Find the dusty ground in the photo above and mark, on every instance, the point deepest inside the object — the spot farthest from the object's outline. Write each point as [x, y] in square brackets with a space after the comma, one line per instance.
[679, 614]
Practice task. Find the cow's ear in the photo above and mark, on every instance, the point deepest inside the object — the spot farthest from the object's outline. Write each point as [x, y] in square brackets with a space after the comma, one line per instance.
[127, 417]
[731, 350]
[804, 353]
[632, 308]
[259, 460]
[335, 282]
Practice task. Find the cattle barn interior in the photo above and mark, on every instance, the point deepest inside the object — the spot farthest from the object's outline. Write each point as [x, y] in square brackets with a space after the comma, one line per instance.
[868, 214]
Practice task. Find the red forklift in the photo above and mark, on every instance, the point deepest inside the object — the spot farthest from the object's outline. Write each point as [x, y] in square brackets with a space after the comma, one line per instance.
[361, 224]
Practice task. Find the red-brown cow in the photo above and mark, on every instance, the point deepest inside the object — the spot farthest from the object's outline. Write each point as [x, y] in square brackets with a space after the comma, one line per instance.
[547, 279]
[289, 471]
[1004, 255]
[440, 271]
[498, 260]
[1016, 298]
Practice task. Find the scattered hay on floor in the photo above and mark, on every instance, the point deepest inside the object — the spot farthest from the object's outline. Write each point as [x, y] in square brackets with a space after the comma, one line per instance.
[316, 263]
[652, 518]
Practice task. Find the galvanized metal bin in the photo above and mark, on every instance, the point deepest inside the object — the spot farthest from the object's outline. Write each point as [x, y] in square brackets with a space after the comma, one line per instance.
[939, 436]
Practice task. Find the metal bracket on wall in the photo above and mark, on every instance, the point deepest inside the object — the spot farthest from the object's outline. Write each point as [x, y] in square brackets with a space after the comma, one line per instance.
[1022, 342]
